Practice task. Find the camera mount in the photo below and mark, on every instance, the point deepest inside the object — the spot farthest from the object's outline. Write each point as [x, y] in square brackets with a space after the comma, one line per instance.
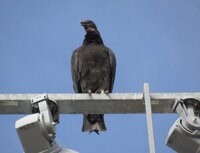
[37, 132]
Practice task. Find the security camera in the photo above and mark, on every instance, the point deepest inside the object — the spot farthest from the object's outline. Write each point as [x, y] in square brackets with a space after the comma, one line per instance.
[37, 131]
[184, 135]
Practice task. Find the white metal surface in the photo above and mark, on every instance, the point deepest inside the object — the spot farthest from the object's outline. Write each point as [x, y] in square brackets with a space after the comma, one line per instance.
[149, 118]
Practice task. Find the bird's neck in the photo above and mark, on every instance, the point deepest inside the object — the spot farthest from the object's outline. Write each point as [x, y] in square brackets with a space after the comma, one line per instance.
[93, 37]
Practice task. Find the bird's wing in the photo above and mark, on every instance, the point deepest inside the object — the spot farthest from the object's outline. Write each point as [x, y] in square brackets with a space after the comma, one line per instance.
[113, 68]
[75, 72]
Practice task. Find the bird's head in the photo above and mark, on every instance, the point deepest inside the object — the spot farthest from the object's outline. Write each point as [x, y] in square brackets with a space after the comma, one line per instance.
[88, 25]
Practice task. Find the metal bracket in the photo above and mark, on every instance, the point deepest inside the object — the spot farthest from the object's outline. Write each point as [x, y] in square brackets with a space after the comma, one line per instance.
[189, 110]
[52, 105]
[49, 115]
[37, 131]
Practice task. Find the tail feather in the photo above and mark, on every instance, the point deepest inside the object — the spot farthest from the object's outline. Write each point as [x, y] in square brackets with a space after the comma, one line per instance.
[93, 123]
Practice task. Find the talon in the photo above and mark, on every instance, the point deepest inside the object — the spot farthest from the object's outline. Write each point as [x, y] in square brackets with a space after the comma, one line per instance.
[89, 92]
[97, 91]
[106, 92]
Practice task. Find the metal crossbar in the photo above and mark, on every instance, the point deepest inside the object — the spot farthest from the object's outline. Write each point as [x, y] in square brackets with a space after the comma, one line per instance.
[115, 103]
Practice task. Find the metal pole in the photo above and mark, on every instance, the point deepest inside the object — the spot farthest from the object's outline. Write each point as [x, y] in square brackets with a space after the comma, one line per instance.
[149, 118]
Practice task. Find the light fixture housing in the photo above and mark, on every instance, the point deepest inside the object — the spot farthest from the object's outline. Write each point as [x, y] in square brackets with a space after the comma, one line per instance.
[37, 131]
[184, 135]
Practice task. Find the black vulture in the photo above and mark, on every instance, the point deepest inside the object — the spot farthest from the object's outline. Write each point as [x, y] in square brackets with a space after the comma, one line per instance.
[93, 67]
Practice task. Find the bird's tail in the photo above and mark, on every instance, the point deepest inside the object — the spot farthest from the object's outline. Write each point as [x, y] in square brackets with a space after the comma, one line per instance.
[93, 123]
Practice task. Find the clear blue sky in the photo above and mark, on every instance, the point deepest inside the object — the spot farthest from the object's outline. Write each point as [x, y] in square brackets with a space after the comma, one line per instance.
[154, 41]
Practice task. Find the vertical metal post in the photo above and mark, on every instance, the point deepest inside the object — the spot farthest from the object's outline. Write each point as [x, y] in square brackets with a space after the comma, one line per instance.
[149, 118]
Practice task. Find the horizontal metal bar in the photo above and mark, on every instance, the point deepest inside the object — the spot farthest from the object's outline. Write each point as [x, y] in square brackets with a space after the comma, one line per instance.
[115, 103]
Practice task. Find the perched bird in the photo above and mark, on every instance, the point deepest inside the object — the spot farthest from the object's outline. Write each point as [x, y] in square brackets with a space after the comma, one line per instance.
[93, 67]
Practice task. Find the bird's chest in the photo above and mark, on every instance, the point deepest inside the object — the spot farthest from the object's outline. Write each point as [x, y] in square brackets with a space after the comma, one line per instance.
[93, 57]
[94, 62]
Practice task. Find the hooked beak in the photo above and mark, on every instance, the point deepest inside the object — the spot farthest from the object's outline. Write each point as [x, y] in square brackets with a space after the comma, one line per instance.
[83, 22]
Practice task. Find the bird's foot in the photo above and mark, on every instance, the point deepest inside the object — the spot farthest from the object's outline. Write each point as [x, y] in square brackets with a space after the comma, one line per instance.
[104, 92]
[90, 92]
